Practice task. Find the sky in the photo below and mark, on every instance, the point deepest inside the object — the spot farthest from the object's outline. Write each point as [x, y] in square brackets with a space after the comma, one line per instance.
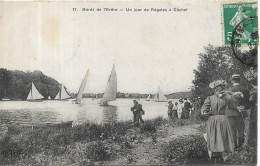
[149, 49]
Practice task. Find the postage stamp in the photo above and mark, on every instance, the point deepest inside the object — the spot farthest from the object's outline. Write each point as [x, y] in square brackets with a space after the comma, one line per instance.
[241, 31]
[235, 15]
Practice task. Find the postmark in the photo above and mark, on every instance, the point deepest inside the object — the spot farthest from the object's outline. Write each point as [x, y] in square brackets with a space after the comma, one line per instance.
[241, 31]
[245, 53]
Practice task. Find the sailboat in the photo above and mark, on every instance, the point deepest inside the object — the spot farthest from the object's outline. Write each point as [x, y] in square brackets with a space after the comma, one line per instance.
[81, 89]
[111, 89]
[148, 98]
[159, 96]
[62, 94]
[34, 95]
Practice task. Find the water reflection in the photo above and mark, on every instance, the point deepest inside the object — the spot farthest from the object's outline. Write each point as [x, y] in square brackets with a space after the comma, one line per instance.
[110, 114]
[28, 113]
[27, 117]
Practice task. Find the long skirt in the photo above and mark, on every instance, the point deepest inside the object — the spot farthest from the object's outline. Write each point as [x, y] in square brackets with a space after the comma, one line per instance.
[174, 114]
[219, 134]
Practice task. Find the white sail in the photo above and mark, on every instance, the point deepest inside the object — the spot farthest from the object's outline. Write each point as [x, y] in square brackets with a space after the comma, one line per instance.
[81, 88]
[57, 96]
[159, 96]
[155, 97]
[149, 97]
[62, 94]
[49, 97]
[111, 89]
[34, 93]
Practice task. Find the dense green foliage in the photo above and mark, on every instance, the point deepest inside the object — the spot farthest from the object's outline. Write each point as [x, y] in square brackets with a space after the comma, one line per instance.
[192, 149]
[244, 156]
[215, 63]
[16, 84]
[150, 125]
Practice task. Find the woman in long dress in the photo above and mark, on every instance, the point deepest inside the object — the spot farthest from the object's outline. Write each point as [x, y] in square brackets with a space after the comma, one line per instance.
[219, 134]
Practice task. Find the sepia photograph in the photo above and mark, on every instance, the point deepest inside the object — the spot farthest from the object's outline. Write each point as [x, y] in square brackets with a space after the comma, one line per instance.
[128, 82]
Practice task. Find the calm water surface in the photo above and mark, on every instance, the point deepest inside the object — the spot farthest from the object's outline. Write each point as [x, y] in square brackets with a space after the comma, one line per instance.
[50, 111]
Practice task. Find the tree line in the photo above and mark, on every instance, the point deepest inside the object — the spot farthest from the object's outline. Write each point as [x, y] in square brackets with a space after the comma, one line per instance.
[16, 84]
[216, 63]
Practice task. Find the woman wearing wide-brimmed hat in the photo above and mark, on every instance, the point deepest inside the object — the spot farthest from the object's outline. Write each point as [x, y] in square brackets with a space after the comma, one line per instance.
[219, 133]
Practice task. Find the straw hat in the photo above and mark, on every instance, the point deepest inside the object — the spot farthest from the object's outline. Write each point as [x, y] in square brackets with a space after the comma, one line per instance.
[214, 84]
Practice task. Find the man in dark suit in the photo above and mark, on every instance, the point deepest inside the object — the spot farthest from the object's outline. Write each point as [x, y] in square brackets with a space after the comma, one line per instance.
[170, 111]
[236, 117]
[138, 112]
[186, 109]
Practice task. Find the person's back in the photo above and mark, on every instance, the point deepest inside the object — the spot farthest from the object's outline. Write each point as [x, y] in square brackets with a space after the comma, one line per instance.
[214, 105]
[245, 100]
[237, 109]
[219, 132]
[170, 107]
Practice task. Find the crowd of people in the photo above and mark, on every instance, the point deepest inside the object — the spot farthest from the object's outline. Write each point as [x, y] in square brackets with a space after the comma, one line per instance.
[183, 109]
[226, 111]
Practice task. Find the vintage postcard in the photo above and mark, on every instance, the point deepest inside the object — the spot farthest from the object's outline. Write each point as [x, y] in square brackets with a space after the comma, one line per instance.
[128, 82]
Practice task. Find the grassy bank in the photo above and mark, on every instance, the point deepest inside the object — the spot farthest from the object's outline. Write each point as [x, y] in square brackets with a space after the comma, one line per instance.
[170, 142]
[54, 142]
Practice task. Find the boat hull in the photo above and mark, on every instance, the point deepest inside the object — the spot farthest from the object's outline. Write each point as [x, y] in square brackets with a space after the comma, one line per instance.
[35, 100]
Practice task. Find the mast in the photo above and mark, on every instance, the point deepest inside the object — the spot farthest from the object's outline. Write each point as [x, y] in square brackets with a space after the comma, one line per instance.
[62, 94]
[159, 96]
[34, 93]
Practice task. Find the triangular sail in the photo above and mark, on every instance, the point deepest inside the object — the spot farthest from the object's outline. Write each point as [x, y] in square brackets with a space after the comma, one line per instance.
[57, 96]
[149, 97]
[34, 93]
[155, 97]
[30, 95]
[159, 96]
[81, 88]
[111, 89]
[63, 93]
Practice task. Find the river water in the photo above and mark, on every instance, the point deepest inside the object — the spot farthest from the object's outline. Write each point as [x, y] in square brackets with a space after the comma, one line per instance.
[52, 111]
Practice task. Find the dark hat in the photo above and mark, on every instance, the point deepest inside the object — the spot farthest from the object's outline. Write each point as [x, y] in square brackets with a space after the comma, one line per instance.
[170, 101]
[180, 100]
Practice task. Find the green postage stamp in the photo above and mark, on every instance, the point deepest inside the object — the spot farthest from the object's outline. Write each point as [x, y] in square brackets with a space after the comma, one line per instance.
[240, 23]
